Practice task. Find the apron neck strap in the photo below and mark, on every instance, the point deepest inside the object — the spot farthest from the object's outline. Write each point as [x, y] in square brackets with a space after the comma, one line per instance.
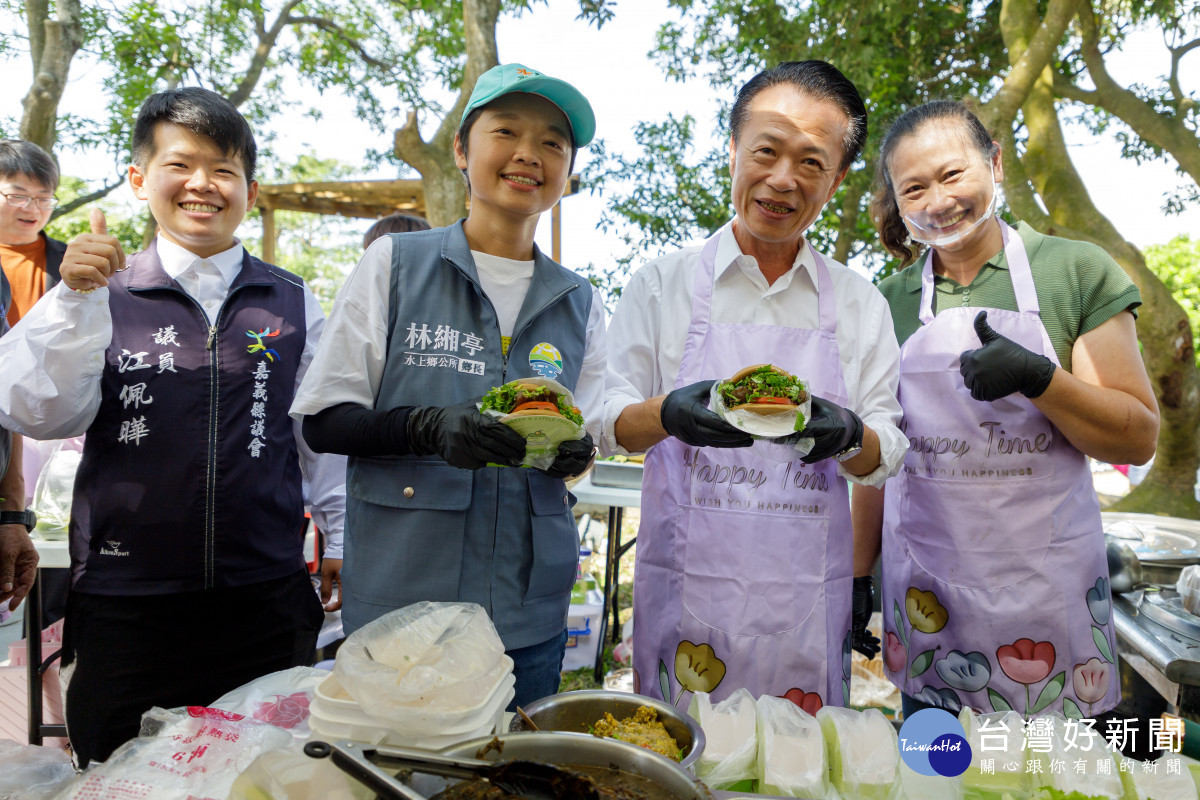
[1018, 267]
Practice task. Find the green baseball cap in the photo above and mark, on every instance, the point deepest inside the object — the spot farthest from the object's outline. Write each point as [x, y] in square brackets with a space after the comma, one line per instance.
[506, 78]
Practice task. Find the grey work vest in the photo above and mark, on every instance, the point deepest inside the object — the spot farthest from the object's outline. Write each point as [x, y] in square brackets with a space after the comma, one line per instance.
[419, 529]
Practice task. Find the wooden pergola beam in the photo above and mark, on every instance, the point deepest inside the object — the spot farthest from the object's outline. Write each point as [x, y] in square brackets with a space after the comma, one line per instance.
[364, 200]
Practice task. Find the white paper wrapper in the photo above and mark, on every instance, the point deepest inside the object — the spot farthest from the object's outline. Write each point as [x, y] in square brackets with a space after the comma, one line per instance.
[543, 434]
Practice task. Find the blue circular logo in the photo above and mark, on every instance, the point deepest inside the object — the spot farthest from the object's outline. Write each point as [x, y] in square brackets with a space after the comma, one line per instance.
[545, 360]
[933, 742]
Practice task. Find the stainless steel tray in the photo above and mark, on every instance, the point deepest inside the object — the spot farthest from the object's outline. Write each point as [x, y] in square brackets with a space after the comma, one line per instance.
[617, 474]
[1156, 539]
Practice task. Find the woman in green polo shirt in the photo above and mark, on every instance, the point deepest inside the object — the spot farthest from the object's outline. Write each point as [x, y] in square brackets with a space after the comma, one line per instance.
[1019, 359]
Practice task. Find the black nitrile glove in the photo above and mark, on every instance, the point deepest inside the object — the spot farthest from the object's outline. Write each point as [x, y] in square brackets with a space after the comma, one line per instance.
[861, 605]
[832, 428]
[686, 416]
[1002, 366]
[463, 436]
[573, 457]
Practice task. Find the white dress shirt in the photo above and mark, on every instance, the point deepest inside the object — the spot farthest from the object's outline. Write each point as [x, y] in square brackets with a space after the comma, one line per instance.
[348, 366]
[54, 358]
[649, 329]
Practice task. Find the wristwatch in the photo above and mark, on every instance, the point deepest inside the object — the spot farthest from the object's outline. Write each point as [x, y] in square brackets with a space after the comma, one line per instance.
[26, 518]
[853, 449]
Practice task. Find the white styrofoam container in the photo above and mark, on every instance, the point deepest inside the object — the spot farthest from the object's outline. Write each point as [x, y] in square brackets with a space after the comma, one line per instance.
[361, 727]
[334, 704]
[583, 635]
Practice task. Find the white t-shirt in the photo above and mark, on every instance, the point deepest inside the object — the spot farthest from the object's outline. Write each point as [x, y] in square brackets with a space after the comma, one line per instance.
[506, 283]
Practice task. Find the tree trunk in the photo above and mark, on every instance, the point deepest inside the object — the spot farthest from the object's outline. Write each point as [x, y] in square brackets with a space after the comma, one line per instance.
[52, 45]
[445, 190]
[1162, 323]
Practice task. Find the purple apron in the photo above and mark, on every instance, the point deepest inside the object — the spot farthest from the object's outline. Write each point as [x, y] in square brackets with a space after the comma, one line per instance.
[995, 581]
[743, 560]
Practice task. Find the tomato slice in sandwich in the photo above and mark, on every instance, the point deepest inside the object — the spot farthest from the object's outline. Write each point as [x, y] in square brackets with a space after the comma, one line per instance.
[769, 400]
[536, 405]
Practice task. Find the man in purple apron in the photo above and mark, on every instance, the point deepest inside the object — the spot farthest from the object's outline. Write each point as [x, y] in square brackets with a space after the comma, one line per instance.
[743, 575]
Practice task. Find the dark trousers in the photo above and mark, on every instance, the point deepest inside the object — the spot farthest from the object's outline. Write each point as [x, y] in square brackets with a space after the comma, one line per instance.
[135, 652]
[538, 670]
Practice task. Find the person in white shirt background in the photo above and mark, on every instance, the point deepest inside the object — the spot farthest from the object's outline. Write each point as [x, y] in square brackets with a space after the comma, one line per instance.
[188, 577]
[744, 557]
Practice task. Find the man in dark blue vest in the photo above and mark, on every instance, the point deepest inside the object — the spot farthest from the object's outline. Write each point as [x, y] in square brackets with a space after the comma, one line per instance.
[188, 578]
[426, 324]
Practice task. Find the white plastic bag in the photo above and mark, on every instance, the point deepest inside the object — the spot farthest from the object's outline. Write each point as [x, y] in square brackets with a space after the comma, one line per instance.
[55, 489]
[439, 655]
[184, 753]
[31, 772]
[791, 751]
[998, 737]
[863, 755]
[280, 699]
[288, 774]
[730, 729]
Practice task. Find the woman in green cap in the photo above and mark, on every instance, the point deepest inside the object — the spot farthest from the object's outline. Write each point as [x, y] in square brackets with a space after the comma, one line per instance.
[424, 326]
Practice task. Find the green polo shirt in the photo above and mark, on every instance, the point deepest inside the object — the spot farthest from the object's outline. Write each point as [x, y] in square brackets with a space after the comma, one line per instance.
[1079, 288]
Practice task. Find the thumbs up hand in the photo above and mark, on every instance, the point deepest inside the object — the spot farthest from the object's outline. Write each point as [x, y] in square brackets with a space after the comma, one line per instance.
[1002, 366]
[92, 257]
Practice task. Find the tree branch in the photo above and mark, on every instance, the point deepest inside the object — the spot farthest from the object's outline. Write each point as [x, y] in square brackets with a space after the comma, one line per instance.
[262, 52]
[1165, 131]
[1182, 101]
[79, 202]
[1003, 106]
[329, 25]
[1066, 89]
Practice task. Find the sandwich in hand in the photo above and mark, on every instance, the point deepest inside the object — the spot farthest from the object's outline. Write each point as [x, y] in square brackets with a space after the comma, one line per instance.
[762, 389]
[525, 398]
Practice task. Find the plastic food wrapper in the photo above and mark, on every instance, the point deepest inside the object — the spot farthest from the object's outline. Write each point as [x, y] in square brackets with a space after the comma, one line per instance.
[791, 751]
[423, 656]
[730, 755]
[863, 755]
[1162, 783]
[54, 490]
[31, 772]
[288, 774]
[280, 699]
[999, 736]
[192, 753]
[1188, 587]
[1055, 742]
[543, 433]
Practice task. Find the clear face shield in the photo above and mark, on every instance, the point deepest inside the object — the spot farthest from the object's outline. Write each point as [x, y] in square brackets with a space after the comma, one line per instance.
[948, 230]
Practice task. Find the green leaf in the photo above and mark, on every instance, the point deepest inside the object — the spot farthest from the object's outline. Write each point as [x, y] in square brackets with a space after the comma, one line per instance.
[998, 701]
[1102, 644]
[1071, 710]
[898, 617]
[664, 680]
[1050, 692]
[921, 663]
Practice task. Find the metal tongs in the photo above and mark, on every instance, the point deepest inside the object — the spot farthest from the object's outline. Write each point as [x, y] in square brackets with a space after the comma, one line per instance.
[532, 780]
